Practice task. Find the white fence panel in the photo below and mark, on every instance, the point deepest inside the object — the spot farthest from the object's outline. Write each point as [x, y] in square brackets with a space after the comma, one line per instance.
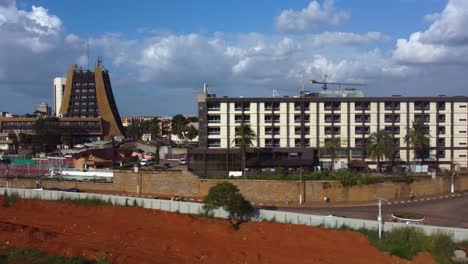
[457, 234]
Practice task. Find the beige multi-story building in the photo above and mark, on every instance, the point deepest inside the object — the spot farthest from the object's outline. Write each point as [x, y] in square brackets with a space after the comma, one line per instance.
[302, 124]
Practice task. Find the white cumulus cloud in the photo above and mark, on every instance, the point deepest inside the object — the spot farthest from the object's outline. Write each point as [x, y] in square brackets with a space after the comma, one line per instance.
[311, 17]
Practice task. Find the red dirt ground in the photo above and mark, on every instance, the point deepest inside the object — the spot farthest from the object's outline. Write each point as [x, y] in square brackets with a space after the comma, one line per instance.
[136, 235]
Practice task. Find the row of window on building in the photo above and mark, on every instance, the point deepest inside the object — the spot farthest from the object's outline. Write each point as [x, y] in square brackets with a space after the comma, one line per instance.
[333, 118]
[336, 106]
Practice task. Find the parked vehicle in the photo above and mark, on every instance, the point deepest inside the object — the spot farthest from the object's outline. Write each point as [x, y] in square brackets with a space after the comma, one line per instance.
[146, 162]
[167, 165]
[335, 215]
[177, 198]
[183, 161]
[72, 190]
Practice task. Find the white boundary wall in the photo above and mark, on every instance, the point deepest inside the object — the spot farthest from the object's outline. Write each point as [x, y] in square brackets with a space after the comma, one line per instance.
[457, 234]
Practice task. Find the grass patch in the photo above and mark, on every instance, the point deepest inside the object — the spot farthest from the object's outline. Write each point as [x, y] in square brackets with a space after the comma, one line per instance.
[87, 201]
[408, 242]
[34, 256]
[406, 215]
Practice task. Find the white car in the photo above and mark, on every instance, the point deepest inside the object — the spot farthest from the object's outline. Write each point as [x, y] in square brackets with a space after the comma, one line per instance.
[183, 161]
[146, 162]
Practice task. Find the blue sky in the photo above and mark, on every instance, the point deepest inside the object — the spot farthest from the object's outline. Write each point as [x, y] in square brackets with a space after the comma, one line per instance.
[160, 53]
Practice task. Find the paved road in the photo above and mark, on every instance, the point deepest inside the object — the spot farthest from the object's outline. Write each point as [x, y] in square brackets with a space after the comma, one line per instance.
[451, 211]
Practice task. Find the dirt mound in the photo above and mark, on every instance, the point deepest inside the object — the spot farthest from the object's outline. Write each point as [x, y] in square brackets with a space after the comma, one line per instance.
[136, 235]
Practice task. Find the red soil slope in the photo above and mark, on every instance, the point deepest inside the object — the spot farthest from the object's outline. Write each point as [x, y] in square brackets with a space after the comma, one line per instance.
[136, 235]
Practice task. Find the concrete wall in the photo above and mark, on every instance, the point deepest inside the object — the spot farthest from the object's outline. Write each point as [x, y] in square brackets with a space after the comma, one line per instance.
[183, 183]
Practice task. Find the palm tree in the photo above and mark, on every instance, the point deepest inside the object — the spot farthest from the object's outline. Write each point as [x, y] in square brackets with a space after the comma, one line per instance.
[380, 146]
[418, 137]
[244, 137]
[332, 147]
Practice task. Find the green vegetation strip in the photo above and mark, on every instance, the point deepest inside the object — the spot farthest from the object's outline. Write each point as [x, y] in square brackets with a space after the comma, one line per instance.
[87, 201]
[34, 256]
[346, 178]
[408, 242]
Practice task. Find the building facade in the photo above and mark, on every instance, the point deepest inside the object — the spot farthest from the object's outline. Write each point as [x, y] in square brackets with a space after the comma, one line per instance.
[59, 88]
[88, 94]
[305, 123]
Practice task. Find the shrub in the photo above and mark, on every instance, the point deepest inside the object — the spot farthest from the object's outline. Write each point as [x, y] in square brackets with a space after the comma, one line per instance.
[226, 195]
[12, 199]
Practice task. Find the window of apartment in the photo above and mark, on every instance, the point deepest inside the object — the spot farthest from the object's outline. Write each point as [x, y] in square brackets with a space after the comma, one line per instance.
[462, 106]
[441, 118]
[297, 118]
[213, 106]
[362, 118]
[297, 130]
[214, 119]
[214, 142]
[332, 118]
[441, 142]
[272, 118]
[462, 143]
[392, 105]
[214, 130]
[396, 142]
[361, 130]
[441, 105]
[237, 143]
[462, 132]
[242, 106]
[441, 153]
[272, 130]
[242, 119]
[275, 106]
[360, 142]
[332, 106]
[462, 156]
[329, 130]
[297, 106]
[272, 142]
[297, 142]
[462, 120]
[359, 106]
[358, 153]
[422, 118]
[421, 105]
[441, 130]
[392, 130]
[390, 118]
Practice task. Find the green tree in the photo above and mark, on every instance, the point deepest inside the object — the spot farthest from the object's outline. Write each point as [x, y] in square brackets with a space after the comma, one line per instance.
[226, 195]
[180, 126]
[418, 137]
[47, 134]
[244, 137]
[380, 146]
[154, 128]
[192, 133]
[332, 148]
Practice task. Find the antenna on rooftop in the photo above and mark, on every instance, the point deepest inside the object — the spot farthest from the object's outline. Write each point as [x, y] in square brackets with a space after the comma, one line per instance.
[87, 51]
[205, 88]
[275, 93]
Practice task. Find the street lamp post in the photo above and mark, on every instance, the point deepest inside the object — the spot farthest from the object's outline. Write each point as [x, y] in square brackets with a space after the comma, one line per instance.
[379, 217]
[452, 186]
[300, 186]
